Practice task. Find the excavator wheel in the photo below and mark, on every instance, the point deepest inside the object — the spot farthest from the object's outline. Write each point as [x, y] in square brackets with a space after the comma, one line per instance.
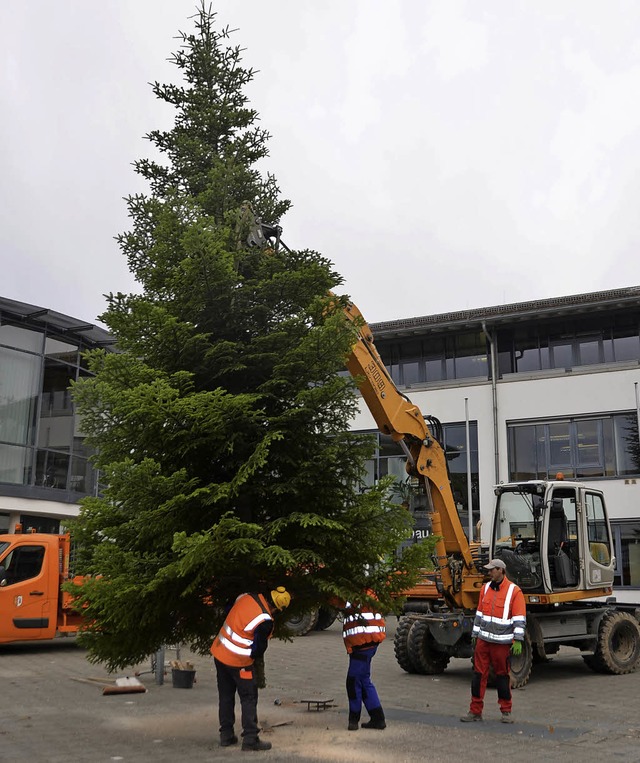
[301, 623]
[400, 647]
[422, 653]
[618, 647]
[521, 664]
[326, 617]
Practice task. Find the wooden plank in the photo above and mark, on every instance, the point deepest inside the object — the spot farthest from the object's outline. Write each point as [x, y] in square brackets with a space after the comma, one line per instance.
[108, 690]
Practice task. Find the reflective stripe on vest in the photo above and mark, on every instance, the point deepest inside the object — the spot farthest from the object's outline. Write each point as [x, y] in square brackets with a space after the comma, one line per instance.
[360, 627]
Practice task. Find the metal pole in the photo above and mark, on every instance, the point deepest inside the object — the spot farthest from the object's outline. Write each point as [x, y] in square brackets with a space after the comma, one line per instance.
[469, 491]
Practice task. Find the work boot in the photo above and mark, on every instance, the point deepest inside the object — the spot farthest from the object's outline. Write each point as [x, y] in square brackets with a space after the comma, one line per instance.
[506, 718]
[228, 741]
[257, 744]
[376, 721]
[354, 722]
[471, 717]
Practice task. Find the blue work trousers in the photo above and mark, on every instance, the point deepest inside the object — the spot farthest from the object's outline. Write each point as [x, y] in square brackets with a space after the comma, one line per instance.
[360, 688]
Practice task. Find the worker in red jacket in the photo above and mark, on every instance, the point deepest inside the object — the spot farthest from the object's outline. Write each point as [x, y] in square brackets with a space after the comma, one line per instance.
[243, 638]
[498, 630]
[363, 630]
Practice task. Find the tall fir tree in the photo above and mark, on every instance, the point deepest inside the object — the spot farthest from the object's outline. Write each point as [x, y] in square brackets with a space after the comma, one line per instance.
[221, 424]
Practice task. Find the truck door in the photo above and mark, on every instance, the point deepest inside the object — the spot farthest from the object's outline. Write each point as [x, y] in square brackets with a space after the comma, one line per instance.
[25, 606]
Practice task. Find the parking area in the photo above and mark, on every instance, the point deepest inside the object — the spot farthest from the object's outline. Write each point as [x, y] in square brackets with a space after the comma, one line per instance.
[53, 711]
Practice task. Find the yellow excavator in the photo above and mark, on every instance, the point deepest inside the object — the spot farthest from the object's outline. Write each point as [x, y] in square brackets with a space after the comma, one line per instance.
[554, 537]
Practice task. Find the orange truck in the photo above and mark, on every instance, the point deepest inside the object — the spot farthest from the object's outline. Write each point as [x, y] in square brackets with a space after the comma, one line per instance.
[33, 606]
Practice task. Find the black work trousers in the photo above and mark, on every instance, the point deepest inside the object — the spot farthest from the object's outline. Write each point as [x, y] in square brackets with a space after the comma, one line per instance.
[243, 681]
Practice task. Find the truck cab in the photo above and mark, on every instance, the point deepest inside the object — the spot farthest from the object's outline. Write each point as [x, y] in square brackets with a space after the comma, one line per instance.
[33, 567]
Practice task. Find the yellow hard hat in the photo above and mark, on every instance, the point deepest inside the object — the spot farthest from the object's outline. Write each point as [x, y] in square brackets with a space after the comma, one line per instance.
[281, 597]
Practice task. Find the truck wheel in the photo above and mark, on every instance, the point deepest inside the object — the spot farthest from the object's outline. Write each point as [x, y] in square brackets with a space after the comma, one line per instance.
[326, 617]
[422, 652]
[400, 644]
[302, 623]
[521, 664]
[618, 647]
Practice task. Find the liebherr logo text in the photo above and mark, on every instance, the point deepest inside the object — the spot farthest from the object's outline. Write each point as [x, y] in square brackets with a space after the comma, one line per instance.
[373, 372]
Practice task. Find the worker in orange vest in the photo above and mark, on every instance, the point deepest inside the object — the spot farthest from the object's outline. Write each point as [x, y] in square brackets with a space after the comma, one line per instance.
[498, 631]
[363, 630]
[243, 638]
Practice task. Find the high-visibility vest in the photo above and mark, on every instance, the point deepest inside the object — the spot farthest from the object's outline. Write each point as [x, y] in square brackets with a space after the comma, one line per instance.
[362, 626]
[233, 644]
[501, 615]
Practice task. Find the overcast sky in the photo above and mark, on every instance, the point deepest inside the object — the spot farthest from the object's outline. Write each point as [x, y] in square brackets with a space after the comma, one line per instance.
[444, 155]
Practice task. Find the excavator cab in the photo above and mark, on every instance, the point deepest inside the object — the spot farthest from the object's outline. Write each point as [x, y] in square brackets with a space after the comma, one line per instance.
[554, 536]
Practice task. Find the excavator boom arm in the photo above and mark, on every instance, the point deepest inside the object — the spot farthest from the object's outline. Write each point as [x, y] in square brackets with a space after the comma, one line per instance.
[398, 417]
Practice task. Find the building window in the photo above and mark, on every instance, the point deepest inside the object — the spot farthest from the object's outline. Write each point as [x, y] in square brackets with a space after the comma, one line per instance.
[605, 446]
[37, 524]
[390, 459]
[434, 359]
[568, 344]
[15, 464]
[627, 550]
[19, 387]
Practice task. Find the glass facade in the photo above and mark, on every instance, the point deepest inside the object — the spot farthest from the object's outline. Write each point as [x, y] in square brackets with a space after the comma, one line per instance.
[565, 344]
[539, 346]
[436, 359]
[579, 447]
[40, 442]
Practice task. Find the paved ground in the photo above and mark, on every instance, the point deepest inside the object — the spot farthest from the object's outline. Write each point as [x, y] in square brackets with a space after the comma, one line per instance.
[566, 712]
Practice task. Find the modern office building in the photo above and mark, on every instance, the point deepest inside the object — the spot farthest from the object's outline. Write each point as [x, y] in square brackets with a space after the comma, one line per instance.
[44, 466]
[543, 387]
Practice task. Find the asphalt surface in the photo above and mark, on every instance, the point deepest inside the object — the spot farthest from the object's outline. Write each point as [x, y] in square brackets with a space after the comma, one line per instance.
[566, 712]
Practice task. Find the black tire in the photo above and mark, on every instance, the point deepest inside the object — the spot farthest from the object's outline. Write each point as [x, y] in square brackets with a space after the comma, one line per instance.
[400, 649]
[326, 617]
[521, 664]
[422, 652]
[302, 623]
[618, 648]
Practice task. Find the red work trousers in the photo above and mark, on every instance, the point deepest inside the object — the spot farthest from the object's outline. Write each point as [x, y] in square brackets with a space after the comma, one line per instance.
[487, 655]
